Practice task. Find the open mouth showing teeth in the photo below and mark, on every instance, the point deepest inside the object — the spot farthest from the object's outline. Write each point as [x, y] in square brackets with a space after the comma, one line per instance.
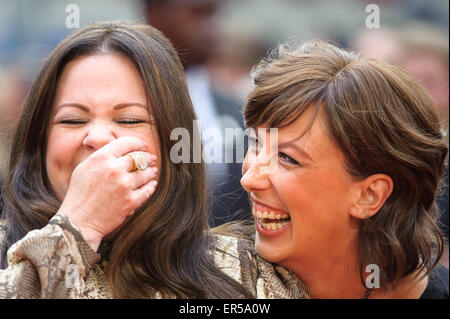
[271, 220]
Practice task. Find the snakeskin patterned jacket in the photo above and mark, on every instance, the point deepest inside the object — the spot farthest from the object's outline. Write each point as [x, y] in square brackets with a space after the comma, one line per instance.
[56, 262]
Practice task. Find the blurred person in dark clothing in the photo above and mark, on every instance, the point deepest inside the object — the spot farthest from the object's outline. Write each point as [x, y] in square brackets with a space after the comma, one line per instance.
[233, 61]
[191, 27]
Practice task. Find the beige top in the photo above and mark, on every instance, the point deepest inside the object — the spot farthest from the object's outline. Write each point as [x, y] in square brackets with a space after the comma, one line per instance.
[56, 262]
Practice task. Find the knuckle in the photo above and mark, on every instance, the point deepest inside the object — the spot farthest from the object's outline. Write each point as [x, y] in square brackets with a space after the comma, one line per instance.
[129, 201]
[99, 157]
[114, 173]
[144, 175]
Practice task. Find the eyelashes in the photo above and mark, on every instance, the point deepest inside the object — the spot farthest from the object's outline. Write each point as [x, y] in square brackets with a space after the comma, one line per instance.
[131, 122]
[286, 158]
[254, 143]
[72, 122]
[123, 122]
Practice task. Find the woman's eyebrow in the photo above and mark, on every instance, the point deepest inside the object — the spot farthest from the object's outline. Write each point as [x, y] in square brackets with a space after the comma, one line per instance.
[124, 105]
[78, 105]
[293, 145]
[116, 107]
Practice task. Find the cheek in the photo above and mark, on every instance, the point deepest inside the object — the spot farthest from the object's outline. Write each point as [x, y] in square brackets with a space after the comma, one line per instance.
[60, 148]
[319, 204]
[60, 158]
[151, 137]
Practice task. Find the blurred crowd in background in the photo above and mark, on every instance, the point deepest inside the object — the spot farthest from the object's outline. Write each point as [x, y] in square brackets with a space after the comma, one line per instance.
[220, 40]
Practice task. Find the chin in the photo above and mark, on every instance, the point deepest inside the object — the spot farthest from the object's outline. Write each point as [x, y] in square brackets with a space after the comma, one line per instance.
[269, 252]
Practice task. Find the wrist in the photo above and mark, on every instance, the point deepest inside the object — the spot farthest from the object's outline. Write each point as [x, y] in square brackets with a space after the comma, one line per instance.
[92, 237]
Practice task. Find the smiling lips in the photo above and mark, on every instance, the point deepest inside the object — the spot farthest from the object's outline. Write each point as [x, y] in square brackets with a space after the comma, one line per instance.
[270, 219]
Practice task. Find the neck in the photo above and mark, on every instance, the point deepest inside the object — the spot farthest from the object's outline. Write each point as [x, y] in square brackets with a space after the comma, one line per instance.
[333, 273]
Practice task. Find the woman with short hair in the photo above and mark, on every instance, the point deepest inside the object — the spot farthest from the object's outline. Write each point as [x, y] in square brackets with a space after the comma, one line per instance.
[350, 208]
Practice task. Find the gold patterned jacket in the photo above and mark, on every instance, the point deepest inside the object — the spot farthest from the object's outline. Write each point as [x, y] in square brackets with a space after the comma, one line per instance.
[56, 262]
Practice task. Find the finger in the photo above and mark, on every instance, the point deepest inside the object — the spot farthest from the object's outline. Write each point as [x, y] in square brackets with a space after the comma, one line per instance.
[126, 163]
[136, 161]
[144, 192]
[140, 178]
[141, 160]
[123, 145]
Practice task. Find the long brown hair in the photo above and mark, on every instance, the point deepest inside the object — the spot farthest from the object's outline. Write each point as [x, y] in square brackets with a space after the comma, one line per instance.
[165, 246]
[384, 122]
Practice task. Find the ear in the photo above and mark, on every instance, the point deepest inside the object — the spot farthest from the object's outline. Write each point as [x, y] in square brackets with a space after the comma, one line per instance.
[372, 193]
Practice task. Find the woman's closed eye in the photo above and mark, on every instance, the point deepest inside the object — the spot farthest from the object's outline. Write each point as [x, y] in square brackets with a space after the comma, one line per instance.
[123, 122]
[131, 121]
[72, 121]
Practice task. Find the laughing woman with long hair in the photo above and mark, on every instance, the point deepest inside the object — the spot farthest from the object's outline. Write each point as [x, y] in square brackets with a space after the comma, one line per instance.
[81, 221]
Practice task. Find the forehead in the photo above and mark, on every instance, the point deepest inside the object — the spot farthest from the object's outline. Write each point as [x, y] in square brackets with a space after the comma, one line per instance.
[100, 67]
[101, 78]
[300, 125]
[310, 132]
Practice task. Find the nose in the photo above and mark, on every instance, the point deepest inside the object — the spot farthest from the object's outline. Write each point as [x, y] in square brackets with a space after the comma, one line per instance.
[253, 176]
[98, 135]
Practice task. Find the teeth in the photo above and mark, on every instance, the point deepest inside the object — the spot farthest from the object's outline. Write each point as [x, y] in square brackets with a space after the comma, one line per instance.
[270, 215]
[273, 226]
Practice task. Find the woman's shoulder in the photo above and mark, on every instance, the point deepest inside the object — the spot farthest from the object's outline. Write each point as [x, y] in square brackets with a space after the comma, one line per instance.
[438, 283]
[228, 243]
[233, 244]
[237, 257]
[226, 255]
